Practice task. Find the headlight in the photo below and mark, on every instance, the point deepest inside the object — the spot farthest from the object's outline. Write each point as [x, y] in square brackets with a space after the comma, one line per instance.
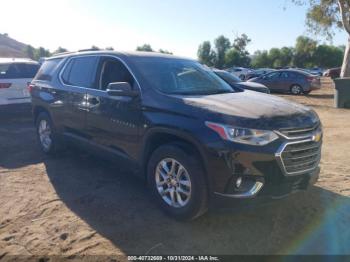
[243, 135]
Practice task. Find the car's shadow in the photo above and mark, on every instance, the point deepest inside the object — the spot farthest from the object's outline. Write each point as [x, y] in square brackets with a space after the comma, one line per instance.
[118, 206]
[18, 144]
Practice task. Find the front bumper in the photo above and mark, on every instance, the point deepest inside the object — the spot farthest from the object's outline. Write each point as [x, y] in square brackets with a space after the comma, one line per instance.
[272, 171]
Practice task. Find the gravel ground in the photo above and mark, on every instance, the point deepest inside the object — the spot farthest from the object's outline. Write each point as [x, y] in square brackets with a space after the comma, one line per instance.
[79, 205]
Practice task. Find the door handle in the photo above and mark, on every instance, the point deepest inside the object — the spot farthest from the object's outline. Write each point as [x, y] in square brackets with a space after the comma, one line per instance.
[93, 101]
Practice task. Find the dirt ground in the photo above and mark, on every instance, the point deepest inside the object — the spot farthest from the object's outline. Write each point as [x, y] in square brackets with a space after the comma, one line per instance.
[80, 205]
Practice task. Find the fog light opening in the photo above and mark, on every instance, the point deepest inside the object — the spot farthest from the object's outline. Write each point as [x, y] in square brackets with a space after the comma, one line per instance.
[239, 182]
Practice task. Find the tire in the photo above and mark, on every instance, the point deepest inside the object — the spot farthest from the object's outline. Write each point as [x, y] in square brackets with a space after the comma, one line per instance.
[242, 77]
[296, 89]
[191, 181]
[47, 138]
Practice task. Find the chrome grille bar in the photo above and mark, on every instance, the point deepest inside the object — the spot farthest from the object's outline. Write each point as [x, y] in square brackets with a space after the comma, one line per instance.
[294, 162]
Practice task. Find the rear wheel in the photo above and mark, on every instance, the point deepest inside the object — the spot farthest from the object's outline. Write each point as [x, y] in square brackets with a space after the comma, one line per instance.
[47, 136]
[296, 89]
[176, 179]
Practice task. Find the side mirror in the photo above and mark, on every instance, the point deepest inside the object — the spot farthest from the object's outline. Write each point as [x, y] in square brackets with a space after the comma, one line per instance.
[121, 89]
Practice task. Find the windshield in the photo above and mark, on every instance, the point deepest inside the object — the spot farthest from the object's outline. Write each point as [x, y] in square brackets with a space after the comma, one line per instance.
[228, 78]
[181, 77]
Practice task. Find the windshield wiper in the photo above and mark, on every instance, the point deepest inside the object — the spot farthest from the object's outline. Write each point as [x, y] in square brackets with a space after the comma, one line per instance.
[217, 92]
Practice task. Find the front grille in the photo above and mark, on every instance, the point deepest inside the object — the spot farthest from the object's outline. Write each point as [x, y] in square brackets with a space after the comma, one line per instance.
[301, 157]
[299, 133]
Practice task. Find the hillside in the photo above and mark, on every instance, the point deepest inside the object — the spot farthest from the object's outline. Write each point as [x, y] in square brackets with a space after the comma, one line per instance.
[10, 47]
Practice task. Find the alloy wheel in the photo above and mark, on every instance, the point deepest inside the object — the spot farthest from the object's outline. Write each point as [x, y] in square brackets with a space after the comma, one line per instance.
[296, 90]
[44, 131]
[173, 183]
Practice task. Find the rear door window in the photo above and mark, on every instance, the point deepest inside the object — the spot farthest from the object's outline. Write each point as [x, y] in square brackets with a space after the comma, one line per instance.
[285, 75]
[272, 76]
[81, 72]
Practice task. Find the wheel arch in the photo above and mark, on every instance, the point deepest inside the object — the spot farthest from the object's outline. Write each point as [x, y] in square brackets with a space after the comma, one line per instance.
[296, 84]
[161, 136]
[39, 109]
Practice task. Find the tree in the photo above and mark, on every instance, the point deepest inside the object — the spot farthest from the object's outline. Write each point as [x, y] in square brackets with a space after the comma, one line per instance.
[304, 50]
[287, 54]
[145, 47]
[241, 42]
[95, 48]
[261, 59]
[205, 54]
[222, 45]
[323, 16]
[224, 54]
[60, 50]
[163, 51]
[110, 48]
[275, 57]
[235, 58]
[41, 52]
[327, 56]
[232, 58]
[29, 51]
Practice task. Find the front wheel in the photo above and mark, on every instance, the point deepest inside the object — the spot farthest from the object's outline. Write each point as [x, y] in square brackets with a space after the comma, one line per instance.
[177, 181]
[296, 90]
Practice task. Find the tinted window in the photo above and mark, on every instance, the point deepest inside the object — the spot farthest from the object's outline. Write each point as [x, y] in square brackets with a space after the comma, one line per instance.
[31, 70]
[113, 71]
[229, 78]
[297, 75]
[8, 71]
[272, 75]
[285, 75]
[81, 71]
[47, 70]
[18, 70]
[182, 77]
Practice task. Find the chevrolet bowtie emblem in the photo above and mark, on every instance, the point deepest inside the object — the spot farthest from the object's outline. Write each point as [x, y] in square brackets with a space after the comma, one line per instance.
[317, 137]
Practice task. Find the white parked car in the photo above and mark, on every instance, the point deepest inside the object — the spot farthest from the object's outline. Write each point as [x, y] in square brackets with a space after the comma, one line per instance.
[15, 75]
[240, 72]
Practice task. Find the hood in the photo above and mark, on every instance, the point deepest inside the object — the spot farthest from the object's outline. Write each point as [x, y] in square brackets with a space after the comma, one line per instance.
[252, 85]
[251, 109]
[253, 79]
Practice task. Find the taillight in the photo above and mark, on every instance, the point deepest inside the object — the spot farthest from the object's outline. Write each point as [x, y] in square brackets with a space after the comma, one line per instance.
[30, 87]
[310, 78]
[5, 85]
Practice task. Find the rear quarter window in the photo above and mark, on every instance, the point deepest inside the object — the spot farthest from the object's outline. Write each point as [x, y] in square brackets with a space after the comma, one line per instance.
[47, 69]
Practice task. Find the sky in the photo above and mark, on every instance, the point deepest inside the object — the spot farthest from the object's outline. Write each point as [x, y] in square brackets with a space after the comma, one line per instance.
[175, 25]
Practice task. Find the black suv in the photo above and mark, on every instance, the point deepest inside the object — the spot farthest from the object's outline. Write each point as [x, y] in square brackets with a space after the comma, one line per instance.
[183, 128]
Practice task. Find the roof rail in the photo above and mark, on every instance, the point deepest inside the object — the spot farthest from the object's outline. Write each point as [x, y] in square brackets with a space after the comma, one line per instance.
[63, 53]
[89, 49]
